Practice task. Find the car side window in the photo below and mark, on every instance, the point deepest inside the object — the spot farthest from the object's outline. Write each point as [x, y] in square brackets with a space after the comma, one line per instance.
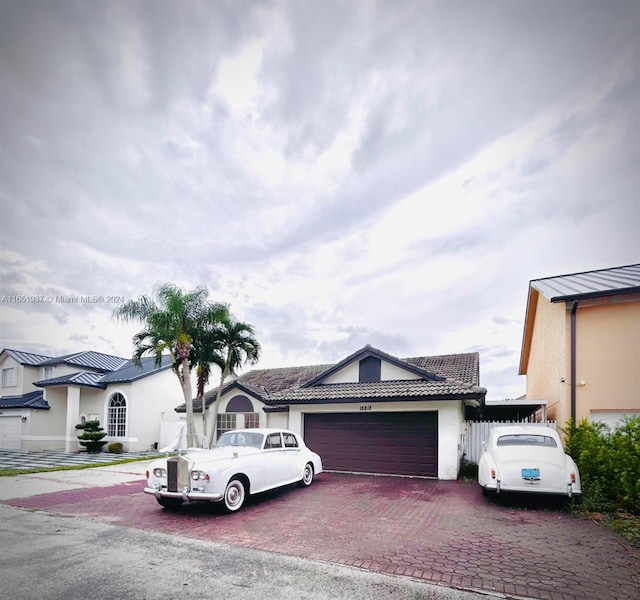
[290, 440]
[273, 441]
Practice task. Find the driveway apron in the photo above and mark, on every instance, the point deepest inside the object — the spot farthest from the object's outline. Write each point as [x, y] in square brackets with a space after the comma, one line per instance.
[443, 532]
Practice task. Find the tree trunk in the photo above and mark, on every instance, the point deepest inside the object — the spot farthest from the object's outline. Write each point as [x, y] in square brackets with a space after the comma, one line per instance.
[185, 381]
[214, 425]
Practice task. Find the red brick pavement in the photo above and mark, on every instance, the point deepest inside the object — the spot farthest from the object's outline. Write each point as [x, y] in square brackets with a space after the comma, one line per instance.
[443, 532]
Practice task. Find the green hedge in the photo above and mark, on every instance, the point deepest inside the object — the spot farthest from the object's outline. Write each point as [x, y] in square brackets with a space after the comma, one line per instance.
[609, 464]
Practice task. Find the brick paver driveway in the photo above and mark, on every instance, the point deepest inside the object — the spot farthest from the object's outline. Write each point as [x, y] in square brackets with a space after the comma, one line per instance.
[439, 531]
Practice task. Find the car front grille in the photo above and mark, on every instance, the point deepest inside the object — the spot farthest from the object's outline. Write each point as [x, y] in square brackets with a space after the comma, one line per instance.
[177, 474]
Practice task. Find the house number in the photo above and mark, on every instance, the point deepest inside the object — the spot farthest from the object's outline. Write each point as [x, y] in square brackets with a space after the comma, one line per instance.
[365, 407]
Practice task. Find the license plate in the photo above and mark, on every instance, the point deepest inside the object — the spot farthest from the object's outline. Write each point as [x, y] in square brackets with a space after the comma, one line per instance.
[531, 474]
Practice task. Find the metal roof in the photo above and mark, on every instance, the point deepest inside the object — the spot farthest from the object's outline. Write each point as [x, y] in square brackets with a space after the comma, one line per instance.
[88, 359]
[82, 378]
[26, 358]
[30, 400]
[131, 372]
[590, 284]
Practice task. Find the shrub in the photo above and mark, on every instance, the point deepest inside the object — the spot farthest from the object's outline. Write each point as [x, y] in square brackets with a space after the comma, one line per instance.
[609, 464]
[115, 448]
[91, 436]
[468, 470]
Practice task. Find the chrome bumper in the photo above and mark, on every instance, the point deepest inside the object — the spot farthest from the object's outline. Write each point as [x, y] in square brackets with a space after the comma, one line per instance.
[187, 496]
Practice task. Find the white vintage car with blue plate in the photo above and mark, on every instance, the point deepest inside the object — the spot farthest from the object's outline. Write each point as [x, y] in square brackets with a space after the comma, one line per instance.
[243, 462]
[527, 458]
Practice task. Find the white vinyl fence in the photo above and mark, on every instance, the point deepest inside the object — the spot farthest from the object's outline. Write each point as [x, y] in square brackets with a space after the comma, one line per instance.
[477, 432]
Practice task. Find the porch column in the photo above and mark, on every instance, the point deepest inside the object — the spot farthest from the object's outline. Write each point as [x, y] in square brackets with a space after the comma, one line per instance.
[73, 418]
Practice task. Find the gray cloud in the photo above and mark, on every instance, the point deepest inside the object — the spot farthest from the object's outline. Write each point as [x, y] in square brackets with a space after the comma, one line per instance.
[120, 166]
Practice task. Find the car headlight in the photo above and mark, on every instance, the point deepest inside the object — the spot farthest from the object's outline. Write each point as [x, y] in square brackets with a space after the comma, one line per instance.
[158, 472]
[199, 476]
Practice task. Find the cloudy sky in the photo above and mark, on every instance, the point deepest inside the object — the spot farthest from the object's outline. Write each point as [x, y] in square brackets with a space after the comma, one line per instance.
[340, 173]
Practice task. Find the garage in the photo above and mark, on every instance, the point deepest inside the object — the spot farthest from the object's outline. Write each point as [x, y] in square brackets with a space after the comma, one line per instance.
[10, 432]
[402, 443]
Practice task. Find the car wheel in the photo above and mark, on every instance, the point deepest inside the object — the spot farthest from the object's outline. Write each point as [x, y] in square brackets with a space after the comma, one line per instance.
[234, 495]
[307, 475]
[170, 502]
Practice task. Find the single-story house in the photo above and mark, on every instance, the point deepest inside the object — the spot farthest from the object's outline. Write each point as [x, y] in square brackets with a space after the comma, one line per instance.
[371, 412]
[43, 398]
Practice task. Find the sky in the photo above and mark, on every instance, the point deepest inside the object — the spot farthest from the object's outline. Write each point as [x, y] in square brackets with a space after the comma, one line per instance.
[340, 173]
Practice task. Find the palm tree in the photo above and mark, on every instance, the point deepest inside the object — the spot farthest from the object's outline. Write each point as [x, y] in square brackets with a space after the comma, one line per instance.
[170, 320]
[207, 351]
[239, 346]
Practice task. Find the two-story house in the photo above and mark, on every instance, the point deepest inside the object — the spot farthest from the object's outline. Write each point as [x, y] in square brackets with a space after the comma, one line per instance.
[581, 344]
[43, 398]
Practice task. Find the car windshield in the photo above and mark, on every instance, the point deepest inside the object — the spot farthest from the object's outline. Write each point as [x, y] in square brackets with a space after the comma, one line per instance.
[526, 439]
[240, 438]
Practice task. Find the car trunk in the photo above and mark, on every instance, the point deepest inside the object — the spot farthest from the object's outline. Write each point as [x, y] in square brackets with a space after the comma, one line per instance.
[513, 459]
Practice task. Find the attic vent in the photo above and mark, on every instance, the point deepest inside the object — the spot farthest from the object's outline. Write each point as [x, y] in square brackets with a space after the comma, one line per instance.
[370, 369]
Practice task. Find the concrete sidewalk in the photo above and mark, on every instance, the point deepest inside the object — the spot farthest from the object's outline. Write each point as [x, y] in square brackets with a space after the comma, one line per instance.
[24, 486]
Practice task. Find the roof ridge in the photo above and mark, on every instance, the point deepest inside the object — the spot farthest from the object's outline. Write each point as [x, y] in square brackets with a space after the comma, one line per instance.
[586, 272]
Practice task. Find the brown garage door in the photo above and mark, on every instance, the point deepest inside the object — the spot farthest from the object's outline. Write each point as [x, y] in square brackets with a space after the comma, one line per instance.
[399, 443]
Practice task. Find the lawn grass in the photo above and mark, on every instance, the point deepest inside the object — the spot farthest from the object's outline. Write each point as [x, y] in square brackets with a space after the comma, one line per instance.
[623, 523]
[11, 471]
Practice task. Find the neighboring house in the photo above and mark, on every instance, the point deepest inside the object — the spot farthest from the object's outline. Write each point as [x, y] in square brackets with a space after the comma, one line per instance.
[43, 398]
[581, 344]
[371, 412]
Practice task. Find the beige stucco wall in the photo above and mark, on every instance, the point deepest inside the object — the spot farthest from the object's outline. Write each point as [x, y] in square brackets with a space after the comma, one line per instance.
[15, 390]
[149, 401]
[46, 429]
[607, 357]
[548, 366]
[29, 375]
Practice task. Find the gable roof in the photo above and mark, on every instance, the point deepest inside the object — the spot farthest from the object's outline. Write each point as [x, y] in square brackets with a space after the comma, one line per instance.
[365, 352]
[30, 400]
[25, 358]
[129, 371]
[88, 359]
[449, 376]
[589, 284]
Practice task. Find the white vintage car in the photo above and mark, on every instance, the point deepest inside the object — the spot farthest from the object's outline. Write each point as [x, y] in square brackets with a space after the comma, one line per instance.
[527, 458]
[243, 462]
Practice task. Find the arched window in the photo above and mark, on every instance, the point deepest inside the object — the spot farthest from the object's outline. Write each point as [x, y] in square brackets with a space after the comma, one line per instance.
[117, 416]
[238, 414]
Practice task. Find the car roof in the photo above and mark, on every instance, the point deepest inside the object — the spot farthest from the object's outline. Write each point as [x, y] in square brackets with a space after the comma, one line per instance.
[524, 429]
[261, 430]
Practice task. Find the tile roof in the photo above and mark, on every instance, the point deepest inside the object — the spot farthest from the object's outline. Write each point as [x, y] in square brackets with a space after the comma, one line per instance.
[130, 372]
[456, 375]
[82, 378]
[26, 358]
[589, 284]
[463, 367]
[30, 400]
[88, 359]
[410, 388]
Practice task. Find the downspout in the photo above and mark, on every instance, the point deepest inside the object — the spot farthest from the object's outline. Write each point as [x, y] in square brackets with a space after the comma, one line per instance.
[574, 310]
